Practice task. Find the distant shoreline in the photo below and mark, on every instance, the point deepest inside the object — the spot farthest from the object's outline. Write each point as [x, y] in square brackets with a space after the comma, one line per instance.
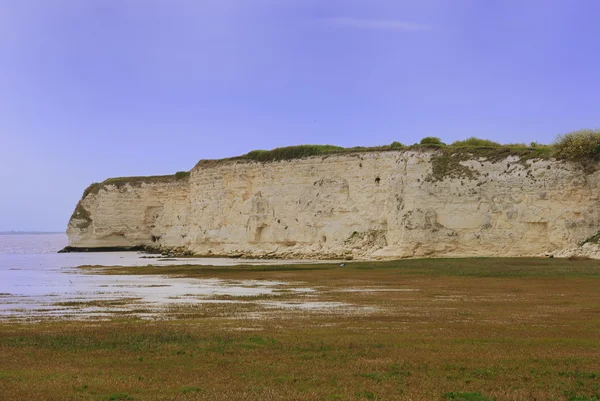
[30, 232]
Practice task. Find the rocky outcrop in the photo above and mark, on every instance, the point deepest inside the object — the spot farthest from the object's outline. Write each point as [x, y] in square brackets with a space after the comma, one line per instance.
[393, 204]
[131, 215]
[586, 251]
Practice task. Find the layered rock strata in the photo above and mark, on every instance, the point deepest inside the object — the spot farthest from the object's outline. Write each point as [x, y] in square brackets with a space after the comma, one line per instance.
[392, 204]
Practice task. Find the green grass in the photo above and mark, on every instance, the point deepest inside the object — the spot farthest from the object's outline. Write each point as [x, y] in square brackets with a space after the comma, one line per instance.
[291, 152]
[453, 267]
[120, 182]
[438, 329]
[300, 151]
[476, 142]
[431, 140]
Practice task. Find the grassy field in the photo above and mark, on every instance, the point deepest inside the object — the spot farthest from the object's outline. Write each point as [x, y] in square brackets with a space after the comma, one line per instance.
[460, 329]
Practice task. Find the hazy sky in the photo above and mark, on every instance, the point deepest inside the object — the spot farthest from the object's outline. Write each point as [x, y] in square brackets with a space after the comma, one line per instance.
[91, 89]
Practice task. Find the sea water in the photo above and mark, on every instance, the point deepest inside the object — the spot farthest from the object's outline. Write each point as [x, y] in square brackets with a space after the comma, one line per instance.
[36, 281]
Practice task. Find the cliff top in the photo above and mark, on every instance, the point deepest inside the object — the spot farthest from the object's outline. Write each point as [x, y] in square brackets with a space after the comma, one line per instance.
[446, 155]
[122, 181]
[489, 149]
[580, 146]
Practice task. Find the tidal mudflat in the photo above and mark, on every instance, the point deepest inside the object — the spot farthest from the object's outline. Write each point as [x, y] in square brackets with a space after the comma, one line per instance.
[37, 283]
[459, 329]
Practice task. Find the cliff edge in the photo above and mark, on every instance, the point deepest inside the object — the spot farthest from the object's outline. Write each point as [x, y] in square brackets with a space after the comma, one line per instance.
[393, 203]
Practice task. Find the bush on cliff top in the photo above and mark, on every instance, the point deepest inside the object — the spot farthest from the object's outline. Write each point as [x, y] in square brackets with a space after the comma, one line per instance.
[476, 142]
[583, 145]
[291, 152]
[300, 151]
[431, 140]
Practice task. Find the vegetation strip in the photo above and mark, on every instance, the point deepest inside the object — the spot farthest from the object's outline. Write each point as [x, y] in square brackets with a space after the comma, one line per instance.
[581, 146]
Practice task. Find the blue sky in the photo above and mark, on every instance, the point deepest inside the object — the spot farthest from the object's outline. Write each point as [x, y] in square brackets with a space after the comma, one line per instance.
[91, 89]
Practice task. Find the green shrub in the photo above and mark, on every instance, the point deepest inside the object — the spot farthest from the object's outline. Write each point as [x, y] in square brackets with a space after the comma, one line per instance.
[476, 142]
[431, 140]
[180, 175]
[291, 152]
[396, 145]
[583, 145]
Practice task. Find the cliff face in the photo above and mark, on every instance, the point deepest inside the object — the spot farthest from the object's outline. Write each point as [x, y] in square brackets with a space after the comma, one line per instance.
[374, 204]
[129, 215]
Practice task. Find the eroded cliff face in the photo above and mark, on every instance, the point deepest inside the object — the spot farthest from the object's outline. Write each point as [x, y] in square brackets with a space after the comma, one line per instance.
[131, 215]
[391, 204]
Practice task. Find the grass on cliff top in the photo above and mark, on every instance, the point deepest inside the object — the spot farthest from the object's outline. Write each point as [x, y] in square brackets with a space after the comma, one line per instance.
[120, 182]
[474, 146]
[436, 329]
[449, 155]
[580, 146]
[301, 151]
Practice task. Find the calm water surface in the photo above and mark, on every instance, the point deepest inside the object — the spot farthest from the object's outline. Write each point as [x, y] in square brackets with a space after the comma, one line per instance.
[36, 281]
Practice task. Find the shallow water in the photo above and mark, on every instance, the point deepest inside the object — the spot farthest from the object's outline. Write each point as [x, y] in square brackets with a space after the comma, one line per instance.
[36, 282]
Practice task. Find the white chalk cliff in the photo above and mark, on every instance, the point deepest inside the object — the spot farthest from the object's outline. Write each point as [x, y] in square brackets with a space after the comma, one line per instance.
[393, 204]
